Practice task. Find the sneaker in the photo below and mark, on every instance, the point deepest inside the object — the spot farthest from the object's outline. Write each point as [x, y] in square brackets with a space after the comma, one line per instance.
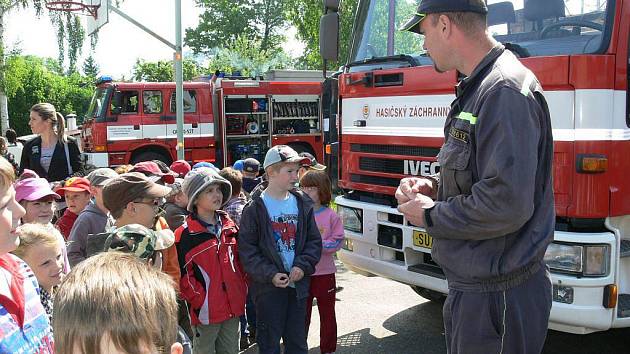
[244, 342]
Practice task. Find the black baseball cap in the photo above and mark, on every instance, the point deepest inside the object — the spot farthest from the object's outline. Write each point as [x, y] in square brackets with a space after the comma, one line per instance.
[433, 6]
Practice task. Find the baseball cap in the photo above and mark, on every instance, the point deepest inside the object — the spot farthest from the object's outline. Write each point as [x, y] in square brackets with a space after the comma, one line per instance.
[432, 6]
[199, 179]
[129, 187]
[238, 165]
[312, 164]
[153, 171]
[101, 176]
[139, 240]
[33, 189]
[181, 167]
[204, 164]
[283, 153]
[251, 165]
[74, 184]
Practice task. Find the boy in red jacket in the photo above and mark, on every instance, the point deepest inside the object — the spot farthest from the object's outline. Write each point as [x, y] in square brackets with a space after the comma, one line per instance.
[212, 281]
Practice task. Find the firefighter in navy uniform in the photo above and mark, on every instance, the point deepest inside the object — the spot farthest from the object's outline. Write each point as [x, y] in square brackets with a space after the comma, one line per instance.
[490, 210]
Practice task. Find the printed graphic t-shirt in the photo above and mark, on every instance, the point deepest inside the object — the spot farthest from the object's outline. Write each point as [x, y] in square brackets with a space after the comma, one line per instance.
[284, 219]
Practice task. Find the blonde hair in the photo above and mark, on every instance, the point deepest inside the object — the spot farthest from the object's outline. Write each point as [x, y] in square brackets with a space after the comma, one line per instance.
[7, 175]
[122, 169]
[48, 112]
[113, 295]
[36, 234]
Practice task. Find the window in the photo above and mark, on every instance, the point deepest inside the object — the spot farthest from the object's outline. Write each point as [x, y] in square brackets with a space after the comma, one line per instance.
[190, 101]
[152, 102]
[124, 102]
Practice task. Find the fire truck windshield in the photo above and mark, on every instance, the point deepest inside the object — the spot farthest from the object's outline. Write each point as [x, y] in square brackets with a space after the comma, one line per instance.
[529, 28]
[97, 106]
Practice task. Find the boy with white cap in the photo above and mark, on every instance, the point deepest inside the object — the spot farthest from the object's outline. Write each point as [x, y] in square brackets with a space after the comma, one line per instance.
[280, 246]
[211, 278]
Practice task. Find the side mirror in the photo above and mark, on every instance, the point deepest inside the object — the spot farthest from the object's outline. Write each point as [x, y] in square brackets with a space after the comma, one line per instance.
[331, 5]
[329, 36]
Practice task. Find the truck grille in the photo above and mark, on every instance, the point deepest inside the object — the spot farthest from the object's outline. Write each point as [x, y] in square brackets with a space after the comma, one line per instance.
[415, 151]
[381, 165]
[379, 181]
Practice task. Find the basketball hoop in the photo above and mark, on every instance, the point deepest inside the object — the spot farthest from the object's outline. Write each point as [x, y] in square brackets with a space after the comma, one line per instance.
[88, 6]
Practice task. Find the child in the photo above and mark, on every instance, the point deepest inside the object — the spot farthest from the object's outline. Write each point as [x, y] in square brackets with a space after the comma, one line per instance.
[25, 326]
[280, 246]
[93, 218]
[41, 248]
[36, 197]
[76, 191]
[317, 185]
[250, 174]
[212, 281]
[175, 207]
[114, 303]
[234, 208]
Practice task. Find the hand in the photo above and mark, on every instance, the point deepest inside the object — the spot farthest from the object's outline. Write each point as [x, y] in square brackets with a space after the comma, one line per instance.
[410, 187]
[413, 210]
[280, 280]
[296, 274]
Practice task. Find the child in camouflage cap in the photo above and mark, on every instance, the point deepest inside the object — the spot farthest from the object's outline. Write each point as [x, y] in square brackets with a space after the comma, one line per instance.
[141, 241]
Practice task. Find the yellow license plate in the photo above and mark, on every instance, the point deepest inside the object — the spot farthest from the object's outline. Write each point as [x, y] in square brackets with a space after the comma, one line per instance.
[422, 239]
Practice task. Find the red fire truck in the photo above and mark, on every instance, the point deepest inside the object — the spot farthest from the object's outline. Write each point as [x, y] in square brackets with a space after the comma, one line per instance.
[392, 108]
[224, 120]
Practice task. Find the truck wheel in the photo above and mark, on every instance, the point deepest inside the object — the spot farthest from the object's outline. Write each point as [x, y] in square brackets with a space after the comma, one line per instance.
[430, 295]
[150, 156]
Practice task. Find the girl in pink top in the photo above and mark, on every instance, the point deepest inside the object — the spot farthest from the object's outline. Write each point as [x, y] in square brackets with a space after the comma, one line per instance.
[317, 185]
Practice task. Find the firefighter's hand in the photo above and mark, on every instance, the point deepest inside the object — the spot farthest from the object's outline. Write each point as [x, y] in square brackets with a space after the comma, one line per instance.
[413, 209]
[296, 274]
[280, 280]
[410, 187]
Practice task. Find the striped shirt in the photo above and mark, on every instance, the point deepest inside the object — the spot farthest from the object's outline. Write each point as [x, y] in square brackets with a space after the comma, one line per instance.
[24, 325]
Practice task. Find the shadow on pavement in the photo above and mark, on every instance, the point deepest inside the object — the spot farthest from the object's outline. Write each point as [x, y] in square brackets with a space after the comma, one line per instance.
[417, 330]
[611, 342]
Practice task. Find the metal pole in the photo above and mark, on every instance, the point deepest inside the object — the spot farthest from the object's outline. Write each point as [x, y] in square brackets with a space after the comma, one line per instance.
[179, 80]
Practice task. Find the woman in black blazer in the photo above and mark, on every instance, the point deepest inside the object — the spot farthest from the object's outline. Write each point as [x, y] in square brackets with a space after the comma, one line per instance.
[46, 154]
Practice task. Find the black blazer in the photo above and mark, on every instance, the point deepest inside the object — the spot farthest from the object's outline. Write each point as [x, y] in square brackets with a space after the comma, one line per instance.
[58, 170]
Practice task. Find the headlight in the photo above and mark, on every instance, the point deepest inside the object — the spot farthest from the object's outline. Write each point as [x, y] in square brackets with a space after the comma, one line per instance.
[564, 258]
[584, 260]
[351, 218]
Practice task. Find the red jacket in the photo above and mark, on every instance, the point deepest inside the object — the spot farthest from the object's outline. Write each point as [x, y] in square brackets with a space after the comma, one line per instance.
[212, 281]
[65, 223]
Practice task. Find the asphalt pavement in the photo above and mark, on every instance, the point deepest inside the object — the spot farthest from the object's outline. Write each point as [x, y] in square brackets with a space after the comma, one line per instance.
[380, 316]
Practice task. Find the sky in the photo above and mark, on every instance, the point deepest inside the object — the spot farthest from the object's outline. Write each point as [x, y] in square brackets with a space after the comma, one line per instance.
[120, 43]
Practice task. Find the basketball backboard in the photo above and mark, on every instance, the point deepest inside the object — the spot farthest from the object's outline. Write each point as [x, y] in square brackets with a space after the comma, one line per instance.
[99, 15]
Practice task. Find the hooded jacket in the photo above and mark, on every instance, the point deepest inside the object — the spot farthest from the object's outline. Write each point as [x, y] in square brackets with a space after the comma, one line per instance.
[258, 252]
[212, 281]
[90, 221]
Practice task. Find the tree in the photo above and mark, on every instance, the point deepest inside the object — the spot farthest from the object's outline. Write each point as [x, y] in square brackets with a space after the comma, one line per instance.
[32, 79]
[69, 31]
[90, 67]
[244, 56]
[223, 21]
[163, 70]
[305, 15]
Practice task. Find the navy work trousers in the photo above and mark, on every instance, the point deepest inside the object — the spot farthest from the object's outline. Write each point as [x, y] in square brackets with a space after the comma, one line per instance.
[281, 315]
[503, 322]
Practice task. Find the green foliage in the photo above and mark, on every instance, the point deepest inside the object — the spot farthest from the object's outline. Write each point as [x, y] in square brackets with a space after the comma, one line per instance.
[90, 67]
[163, 70]
[245, 57]
[223, 21]
[30, 80]
[305, 15]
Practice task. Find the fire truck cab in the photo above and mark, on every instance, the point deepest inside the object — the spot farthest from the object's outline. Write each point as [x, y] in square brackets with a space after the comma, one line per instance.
[392, 109]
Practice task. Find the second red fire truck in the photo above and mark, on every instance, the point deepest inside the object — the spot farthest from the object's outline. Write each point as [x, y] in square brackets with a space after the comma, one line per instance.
[224, 120]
